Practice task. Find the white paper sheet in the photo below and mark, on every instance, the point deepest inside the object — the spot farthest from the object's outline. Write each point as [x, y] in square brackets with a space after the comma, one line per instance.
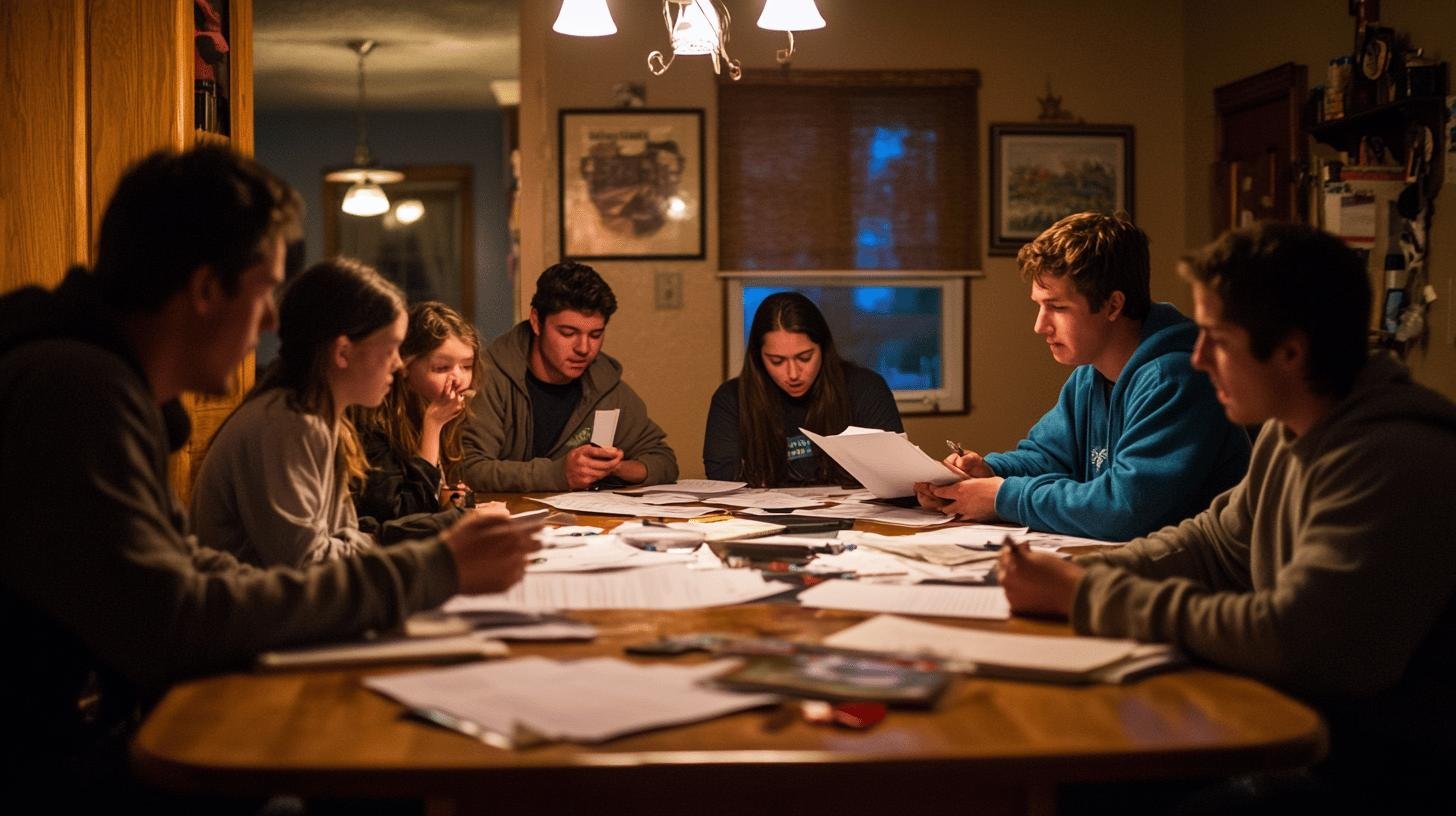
[587, 701]
[887, 464]
[674, 586]
[767, 499]
[728, 529]
[604, 427]
[987, 603]
[696, 487]
[899, 516]
[610, 504]
[603, 553]
[1068, 655]
[1054, 542]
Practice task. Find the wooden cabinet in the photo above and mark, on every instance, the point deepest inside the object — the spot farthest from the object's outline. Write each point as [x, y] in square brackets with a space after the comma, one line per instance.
[90, 87]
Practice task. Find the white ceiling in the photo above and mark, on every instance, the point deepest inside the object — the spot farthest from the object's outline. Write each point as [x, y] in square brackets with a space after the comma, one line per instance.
[432, 54]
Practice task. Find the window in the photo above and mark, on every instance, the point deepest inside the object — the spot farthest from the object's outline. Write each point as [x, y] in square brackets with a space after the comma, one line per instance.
[859, 189]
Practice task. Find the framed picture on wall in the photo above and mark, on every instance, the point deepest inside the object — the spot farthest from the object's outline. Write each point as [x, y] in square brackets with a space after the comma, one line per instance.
[1042, 172]
[632, 183]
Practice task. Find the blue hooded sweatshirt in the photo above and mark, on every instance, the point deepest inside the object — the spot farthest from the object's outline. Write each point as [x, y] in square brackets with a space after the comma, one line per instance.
[1118, 460]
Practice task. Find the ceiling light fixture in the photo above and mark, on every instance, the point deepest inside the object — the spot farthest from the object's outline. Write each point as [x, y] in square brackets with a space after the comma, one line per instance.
[364, 197]
[694, 28]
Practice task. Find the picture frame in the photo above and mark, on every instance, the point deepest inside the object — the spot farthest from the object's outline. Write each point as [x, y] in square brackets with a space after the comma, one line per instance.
[1042, 172]
[632, 183]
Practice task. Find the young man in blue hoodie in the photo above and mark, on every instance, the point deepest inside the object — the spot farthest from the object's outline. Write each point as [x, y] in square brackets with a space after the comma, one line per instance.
[1137, 439]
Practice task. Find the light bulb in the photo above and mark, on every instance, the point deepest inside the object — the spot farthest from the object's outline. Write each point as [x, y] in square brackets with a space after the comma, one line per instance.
[365, 198]
[409, 211]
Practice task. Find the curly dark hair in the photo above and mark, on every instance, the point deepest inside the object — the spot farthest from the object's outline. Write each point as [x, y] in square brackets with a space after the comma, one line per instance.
[574, 286]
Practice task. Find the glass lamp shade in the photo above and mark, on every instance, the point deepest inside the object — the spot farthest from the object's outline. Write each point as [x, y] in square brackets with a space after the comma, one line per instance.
[365, 198]
[584, 18]
[409, 211]
[697, 29]
[790, 15]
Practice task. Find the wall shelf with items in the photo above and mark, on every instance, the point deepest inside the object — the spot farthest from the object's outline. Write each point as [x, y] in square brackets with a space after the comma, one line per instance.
[1392, 124]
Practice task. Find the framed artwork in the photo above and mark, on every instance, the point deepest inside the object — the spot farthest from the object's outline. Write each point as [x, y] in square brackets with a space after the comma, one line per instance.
[1042, 172]
[632, 183]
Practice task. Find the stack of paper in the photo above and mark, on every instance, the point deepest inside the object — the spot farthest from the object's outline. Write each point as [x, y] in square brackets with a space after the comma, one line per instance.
[1030, 657]
[886, 463]
[988, 603]
[602, 553]
[668, 587]
[587, 701]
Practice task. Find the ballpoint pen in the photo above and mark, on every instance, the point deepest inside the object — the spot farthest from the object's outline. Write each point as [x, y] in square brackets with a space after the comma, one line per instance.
[955, 447]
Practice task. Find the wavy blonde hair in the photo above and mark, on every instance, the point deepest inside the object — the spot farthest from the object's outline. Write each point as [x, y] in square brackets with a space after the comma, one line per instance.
[402, 413]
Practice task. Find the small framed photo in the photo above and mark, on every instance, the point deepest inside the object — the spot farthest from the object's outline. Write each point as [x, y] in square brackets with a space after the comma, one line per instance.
[632, 183]
[1042, 172]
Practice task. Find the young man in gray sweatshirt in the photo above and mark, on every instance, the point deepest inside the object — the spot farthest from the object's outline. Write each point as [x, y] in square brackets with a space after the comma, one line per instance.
[1329, 571]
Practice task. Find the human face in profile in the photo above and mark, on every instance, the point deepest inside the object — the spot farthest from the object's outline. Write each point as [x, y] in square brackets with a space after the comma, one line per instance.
[792, 361]
[1249, 389]
[233, 320]
[1074, 333]
[566, 344]
[364, 368]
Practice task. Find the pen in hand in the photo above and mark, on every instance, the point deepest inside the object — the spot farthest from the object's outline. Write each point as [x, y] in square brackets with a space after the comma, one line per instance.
[955, 447]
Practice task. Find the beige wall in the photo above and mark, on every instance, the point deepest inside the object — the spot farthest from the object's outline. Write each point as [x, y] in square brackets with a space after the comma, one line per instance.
[1108, 68]
[1153, 64]
[1235, 38]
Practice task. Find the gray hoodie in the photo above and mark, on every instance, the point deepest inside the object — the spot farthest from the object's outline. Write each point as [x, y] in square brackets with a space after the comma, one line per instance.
[1329, 570]
[497, 437]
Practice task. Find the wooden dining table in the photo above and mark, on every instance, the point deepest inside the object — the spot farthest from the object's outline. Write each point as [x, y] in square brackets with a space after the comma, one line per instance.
[988, 746]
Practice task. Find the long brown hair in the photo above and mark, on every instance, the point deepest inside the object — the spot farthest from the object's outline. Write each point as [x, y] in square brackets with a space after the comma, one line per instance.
[402, 413]
[760, 412]
[332, 298]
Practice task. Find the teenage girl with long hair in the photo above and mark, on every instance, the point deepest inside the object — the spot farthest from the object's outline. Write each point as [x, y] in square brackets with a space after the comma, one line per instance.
[792, 378]
[274, 485]
[412, 440]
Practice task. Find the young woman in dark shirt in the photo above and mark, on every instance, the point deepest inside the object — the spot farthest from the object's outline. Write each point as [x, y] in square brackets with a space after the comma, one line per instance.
[412, 440]
[792, 377]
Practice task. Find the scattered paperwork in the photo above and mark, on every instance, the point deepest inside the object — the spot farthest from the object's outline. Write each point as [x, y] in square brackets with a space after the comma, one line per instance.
[610, 504]
[587, 701]
[884, 514]
[602, 553]
[1061, 659]
[674, 586]
[987, 603]
[696, 487]
[765, 499]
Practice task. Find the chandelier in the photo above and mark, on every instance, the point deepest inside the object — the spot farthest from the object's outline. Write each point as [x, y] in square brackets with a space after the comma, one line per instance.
[694, 28]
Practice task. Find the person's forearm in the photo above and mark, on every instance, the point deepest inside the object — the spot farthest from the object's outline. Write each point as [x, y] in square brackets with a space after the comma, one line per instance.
[630, 471]
[429, 447]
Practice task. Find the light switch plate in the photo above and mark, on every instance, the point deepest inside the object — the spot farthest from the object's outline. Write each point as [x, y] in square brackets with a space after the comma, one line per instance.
[667, 290]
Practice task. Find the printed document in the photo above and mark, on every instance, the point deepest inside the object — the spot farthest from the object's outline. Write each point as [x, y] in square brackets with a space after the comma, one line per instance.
[674, 586]
[589, 700]
[610, 504]
[1032, 656]
[886, 463]
[696, 487]
[988, 603]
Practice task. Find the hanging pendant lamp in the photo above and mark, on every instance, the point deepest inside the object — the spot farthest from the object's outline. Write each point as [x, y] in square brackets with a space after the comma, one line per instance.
[364, 197]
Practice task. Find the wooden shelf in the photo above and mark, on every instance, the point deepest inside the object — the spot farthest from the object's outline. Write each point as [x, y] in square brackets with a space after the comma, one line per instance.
[1381, 118]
